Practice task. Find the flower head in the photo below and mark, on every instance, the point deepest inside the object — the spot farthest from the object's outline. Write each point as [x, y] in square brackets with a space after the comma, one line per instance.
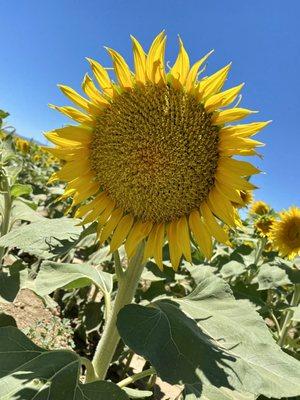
[285, 233]
[264, 224]
[152, 155]
[259, 208]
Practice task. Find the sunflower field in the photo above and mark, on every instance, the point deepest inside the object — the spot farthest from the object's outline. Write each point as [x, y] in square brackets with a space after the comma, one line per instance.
[136, 261]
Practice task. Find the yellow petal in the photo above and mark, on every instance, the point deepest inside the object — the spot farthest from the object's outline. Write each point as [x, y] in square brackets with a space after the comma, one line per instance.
[111, 225]
[184, 238]
[121, 232]
[234, 180]
[175, 252]
[150, 244]
[139, 61]
[214, 83]
[242, 168]
[230, 193]
[74, 114]
[201, 234]
[221, 206]
[73, 169]
[213, 227]
[89, 190]
[155, 60]
[192, 75]
[158, 245]
[222, 99]
[235, 142]
[233, 114]
[122, 70]
[139, 231]
[90, 89]
[75, 97]
[103, 217]
[102, 77]
[244, 130]
[70, 154]
[181, 67]
[70, 136]
[99, 203]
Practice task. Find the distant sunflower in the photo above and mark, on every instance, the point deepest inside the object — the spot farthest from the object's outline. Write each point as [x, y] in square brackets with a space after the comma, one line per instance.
[153, 153]
[259, 208]
[247, 198]
[285, 233]
[264, 225]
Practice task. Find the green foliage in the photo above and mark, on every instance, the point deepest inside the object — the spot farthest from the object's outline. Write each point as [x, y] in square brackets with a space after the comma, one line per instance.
[29, 372]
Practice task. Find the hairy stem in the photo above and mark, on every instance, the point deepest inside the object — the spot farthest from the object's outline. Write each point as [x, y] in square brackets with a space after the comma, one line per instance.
[110, 338]
[287, 320]
[5, 217]
[136, 377]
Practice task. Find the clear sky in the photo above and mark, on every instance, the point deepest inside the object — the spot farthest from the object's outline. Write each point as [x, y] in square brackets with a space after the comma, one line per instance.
[45, 42]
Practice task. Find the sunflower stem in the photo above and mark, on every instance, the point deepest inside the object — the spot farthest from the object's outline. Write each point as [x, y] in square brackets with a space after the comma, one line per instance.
[128, 283]
[287, 320]
[6, 214]
[136, 377]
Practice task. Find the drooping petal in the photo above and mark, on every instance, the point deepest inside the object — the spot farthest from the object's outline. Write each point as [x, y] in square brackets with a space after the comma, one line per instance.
[243, 168]
[221, 206]
[201, 234]
[139, 231]
[213, 227]
[121, 232]
[184, 238]
[175, 252]
[110, 226]
[158, 245]
[244, 130]
[70, 136]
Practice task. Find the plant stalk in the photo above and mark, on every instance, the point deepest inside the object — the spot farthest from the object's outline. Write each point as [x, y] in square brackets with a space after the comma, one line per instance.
[128, 283]
[286, 323]
[136, 377]
[5, 217]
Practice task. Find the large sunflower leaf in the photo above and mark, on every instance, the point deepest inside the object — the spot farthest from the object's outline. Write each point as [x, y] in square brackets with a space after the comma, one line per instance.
[28, 372]
[212, 338]
[209, 392]
[54, 275]
[271, 277]
[46, 239]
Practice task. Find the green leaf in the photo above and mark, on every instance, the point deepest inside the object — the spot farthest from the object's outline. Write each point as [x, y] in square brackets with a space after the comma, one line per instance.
[296, 313]
[18, 190]
[54, 275]
[29, 372]
[232, 269]
[7, 320]
[209, 392]
[271, 277]
[47, 238]
[11, 282]
[21, 211]
[229, 345]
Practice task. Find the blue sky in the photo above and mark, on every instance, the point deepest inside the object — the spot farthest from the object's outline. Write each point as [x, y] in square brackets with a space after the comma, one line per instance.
[45, 42]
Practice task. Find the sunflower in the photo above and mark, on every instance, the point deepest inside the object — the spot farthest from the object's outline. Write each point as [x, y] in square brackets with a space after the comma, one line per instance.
[285, 233]
[259, 208]
[152, 155]
[264, 224]
[247, 198]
